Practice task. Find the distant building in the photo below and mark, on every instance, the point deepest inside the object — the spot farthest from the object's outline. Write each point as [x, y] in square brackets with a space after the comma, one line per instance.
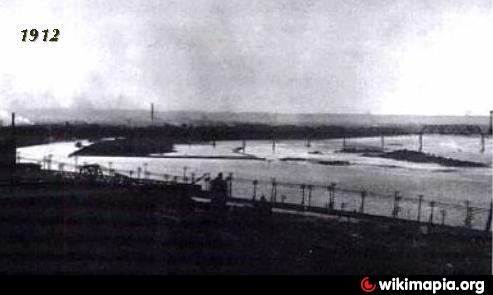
[8, 154]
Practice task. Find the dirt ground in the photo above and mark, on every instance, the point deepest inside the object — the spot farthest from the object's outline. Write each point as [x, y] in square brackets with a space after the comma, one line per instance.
[98, 230]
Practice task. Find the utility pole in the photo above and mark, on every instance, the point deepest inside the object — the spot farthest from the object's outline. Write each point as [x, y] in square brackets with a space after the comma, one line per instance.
[12, 150]
[13, 127]
[419, 207]
[482, 143]
[488, 222]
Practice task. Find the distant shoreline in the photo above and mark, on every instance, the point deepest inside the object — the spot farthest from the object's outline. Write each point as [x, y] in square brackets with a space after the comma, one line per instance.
[211, 157]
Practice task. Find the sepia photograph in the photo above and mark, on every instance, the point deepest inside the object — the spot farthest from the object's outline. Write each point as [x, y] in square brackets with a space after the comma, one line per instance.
[247, 137]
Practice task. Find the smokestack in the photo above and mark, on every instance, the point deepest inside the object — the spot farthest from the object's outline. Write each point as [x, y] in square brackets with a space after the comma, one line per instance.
[13, 126]
[13, 148]
[152, 112]
[491, 123]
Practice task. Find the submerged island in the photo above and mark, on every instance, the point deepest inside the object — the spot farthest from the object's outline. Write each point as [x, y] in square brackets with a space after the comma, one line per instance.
[126, 147]
[420, 157]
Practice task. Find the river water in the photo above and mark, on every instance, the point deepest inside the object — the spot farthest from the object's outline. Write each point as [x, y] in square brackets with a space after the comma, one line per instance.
[380, 177]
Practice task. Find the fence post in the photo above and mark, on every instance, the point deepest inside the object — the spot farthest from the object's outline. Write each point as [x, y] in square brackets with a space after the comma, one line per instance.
[206, 181]
[482, 143]
[420, 200]
[362, 207]
[488, 222]
[443, 216]
[230, 189]
[328, 197]
[50, 157]
[255, 183]
[193, 177]
[332, 195]
[432, 206]
[139, 170]
[76, 163]
[397, 198]
[302, 195]
[310, 187]
[468, 220]
[273, 192]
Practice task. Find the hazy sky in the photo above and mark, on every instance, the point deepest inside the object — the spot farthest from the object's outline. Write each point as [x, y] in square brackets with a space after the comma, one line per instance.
[378, 56]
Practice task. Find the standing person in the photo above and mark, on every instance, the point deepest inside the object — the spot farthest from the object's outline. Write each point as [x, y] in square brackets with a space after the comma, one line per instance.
[264, 207]
[219, 191]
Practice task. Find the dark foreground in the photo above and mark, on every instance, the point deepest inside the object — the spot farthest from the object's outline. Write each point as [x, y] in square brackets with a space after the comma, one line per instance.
[65, 228]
